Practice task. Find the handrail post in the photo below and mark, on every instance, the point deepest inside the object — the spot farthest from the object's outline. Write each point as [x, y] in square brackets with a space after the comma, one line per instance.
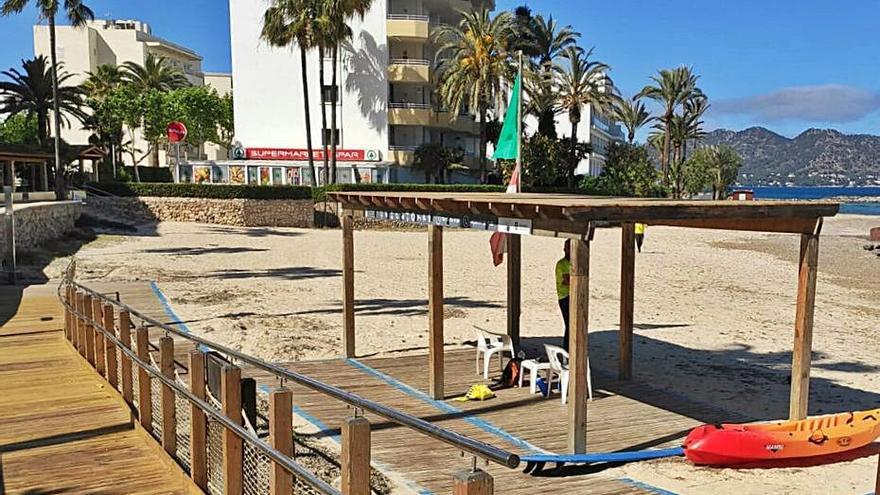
[89, 332]
[68, 315]
[125, 337]
[98, 335]
[198, 423]
[79, 324]
[281, 435]
[348, 336]
[355, 460]
[232, 443]
[109, 346]
[169, 411]
[145, 402]
[473, 482]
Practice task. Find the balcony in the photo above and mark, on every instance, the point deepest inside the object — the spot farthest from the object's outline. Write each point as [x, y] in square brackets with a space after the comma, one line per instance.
[422, 114]
[409, 70]
[402, 155]
[408, 27]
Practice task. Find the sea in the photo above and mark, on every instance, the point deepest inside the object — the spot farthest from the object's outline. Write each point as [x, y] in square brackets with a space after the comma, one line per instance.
[854, 200]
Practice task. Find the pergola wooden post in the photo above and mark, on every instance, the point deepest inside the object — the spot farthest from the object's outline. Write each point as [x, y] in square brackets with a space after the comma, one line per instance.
[348, 338]
[627, 287]
[579, 318]
[435, 312]
[803, 325]
[514, 286]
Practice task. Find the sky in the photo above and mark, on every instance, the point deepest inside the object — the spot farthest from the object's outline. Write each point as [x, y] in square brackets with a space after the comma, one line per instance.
[783, 64]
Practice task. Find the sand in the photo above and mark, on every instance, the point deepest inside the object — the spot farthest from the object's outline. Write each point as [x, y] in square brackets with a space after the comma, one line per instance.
[714, 313]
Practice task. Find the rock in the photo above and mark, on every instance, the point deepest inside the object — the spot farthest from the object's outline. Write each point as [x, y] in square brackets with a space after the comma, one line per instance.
[875, 234]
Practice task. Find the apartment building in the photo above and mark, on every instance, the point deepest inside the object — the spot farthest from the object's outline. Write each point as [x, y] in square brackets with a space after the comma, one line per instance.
[115, 42]
[385, 99]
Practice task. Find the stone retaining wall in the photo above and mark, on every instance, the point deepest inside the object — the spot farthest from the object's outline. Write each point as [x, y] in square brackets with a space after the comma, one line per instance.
[39, 223]
[239, 212]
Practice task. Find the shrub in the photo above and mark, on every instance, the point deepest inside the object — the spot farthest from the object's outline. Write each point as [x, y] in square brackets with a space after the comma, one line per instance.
[212, 191]
[148, 174]
[320, 193]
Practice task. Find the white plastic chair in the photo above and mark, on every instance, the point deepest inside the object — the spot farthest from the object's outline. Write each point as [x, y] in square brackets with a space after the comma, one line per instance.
[489, 343]
[558, 358]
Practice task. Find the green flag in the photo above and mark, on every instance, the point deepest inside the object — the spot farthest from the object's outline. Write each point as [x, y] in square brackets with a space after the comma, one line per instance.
[507, 147]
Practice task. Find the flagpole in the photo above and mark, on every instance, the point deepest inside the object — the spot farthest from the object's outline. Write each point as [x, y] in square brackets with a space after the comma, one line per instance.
[519, 126]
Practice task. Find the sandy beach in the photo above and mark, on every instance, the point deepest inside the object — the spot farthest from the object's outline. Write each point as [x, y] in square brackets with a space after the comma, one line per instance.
[714, 314]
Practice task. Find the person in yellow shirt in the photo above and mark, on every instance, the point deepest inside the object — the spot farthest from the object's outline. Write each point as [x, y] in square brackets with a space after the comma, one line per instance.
[563, 279]
[640, 235]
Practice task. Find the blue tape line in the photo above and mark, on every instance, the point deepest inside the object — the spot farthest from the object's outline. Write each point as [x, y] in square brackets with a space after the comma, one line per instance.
[446, 408]
[645, 486]
[321, 426]
[169, 312]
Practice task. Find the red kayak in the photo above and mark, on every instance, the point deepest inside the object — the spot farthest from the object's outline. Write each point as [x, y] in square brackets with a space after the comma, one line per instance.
[730, 444]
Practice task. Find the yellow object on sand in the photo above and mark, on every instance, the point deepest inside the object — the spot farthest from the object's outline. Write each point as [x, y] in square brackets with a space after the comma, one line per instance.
[477, 392]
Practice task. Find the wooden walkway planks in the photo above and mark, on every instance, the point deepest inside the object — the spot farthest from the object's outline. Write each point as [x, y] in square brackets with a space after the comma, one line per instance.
[617, 421]
[62, 428]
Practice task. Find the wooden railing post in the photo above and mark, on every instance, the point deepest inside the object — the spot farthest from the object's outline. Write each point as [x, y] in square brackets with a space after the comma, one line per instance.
[109, 346]
[145, 403]
[88, 332]
[79, 325]
[169, 411]
[355, 460]
[348, 336]
[281, 436]
[473, 482]
[68, 316]
[198, 423]
[232, 443]
[125, 338]
[98, 336]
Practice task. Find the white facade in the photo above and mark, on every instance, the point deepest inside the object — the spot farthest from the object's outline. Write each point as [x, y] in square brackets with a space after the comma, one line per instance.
[385, 94]
[114, 42]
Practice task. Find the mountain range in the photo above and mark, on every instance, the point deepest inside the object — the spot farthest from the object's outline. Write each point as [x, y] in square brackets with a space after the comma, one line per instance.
[814, 157]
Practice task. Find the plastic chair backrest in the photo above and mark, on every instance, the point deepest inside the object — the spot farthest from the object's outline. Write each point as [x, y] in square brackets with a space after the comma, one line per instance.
[557, 357]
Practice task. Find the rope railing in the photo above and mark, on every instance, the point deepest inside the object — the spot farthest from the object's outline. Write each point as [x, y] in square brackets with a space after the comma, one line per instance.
[466, 444]
[250, 441]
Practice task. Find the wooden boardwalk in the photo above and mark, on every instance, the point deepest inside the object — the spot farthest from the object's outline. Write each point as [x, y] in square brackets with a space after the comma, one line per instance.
[623, 416]
[62, 428]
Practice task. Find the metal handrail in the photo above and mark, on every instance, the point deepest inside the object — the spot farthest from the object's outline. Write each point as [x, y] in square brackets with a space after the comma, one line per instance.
[294, 468]
[475, 447]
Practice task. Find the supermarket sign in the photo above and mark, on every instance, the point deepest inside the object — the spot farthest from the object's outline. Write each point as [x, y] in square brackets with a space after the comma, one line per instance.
[302, 155]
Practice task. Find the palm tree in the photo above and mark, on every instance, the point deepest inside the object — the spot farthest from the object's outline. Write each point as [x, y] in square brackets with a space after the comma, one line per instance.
[581, 82]
[672, 88]
[97, 88]
[551, 40]
[472, 61]
[523, 32]
[30, 92]
[155, 75]
[540, 100]
[631, 112]
[335, 15]
[102, 81]
[694, 109]
[77, 14]
[293, 21]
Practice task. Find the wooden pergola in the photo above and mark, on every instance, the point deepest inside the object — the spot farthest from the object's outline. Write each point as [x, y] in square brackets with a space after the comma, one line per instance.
[576, 217]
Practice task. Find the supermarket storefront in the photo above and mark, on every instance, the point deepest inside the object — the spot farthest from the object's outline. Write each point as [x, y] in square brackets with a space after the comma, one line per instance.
[281, 166]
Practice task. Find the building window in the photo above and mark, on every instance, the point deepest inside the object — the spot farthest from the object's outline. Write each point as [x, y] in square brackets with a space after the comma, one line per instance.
[325, 137]
[331, 93]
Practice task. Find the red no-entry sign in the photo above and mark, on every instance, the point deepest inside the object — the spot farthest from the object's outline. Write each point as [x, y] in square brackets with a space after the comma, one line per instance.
[176, 132]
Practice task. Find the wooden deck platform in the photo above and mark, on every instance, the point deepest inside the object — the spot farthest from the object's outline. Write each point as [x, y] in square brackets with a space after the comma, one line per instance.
[623, 416]
[62, 428]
